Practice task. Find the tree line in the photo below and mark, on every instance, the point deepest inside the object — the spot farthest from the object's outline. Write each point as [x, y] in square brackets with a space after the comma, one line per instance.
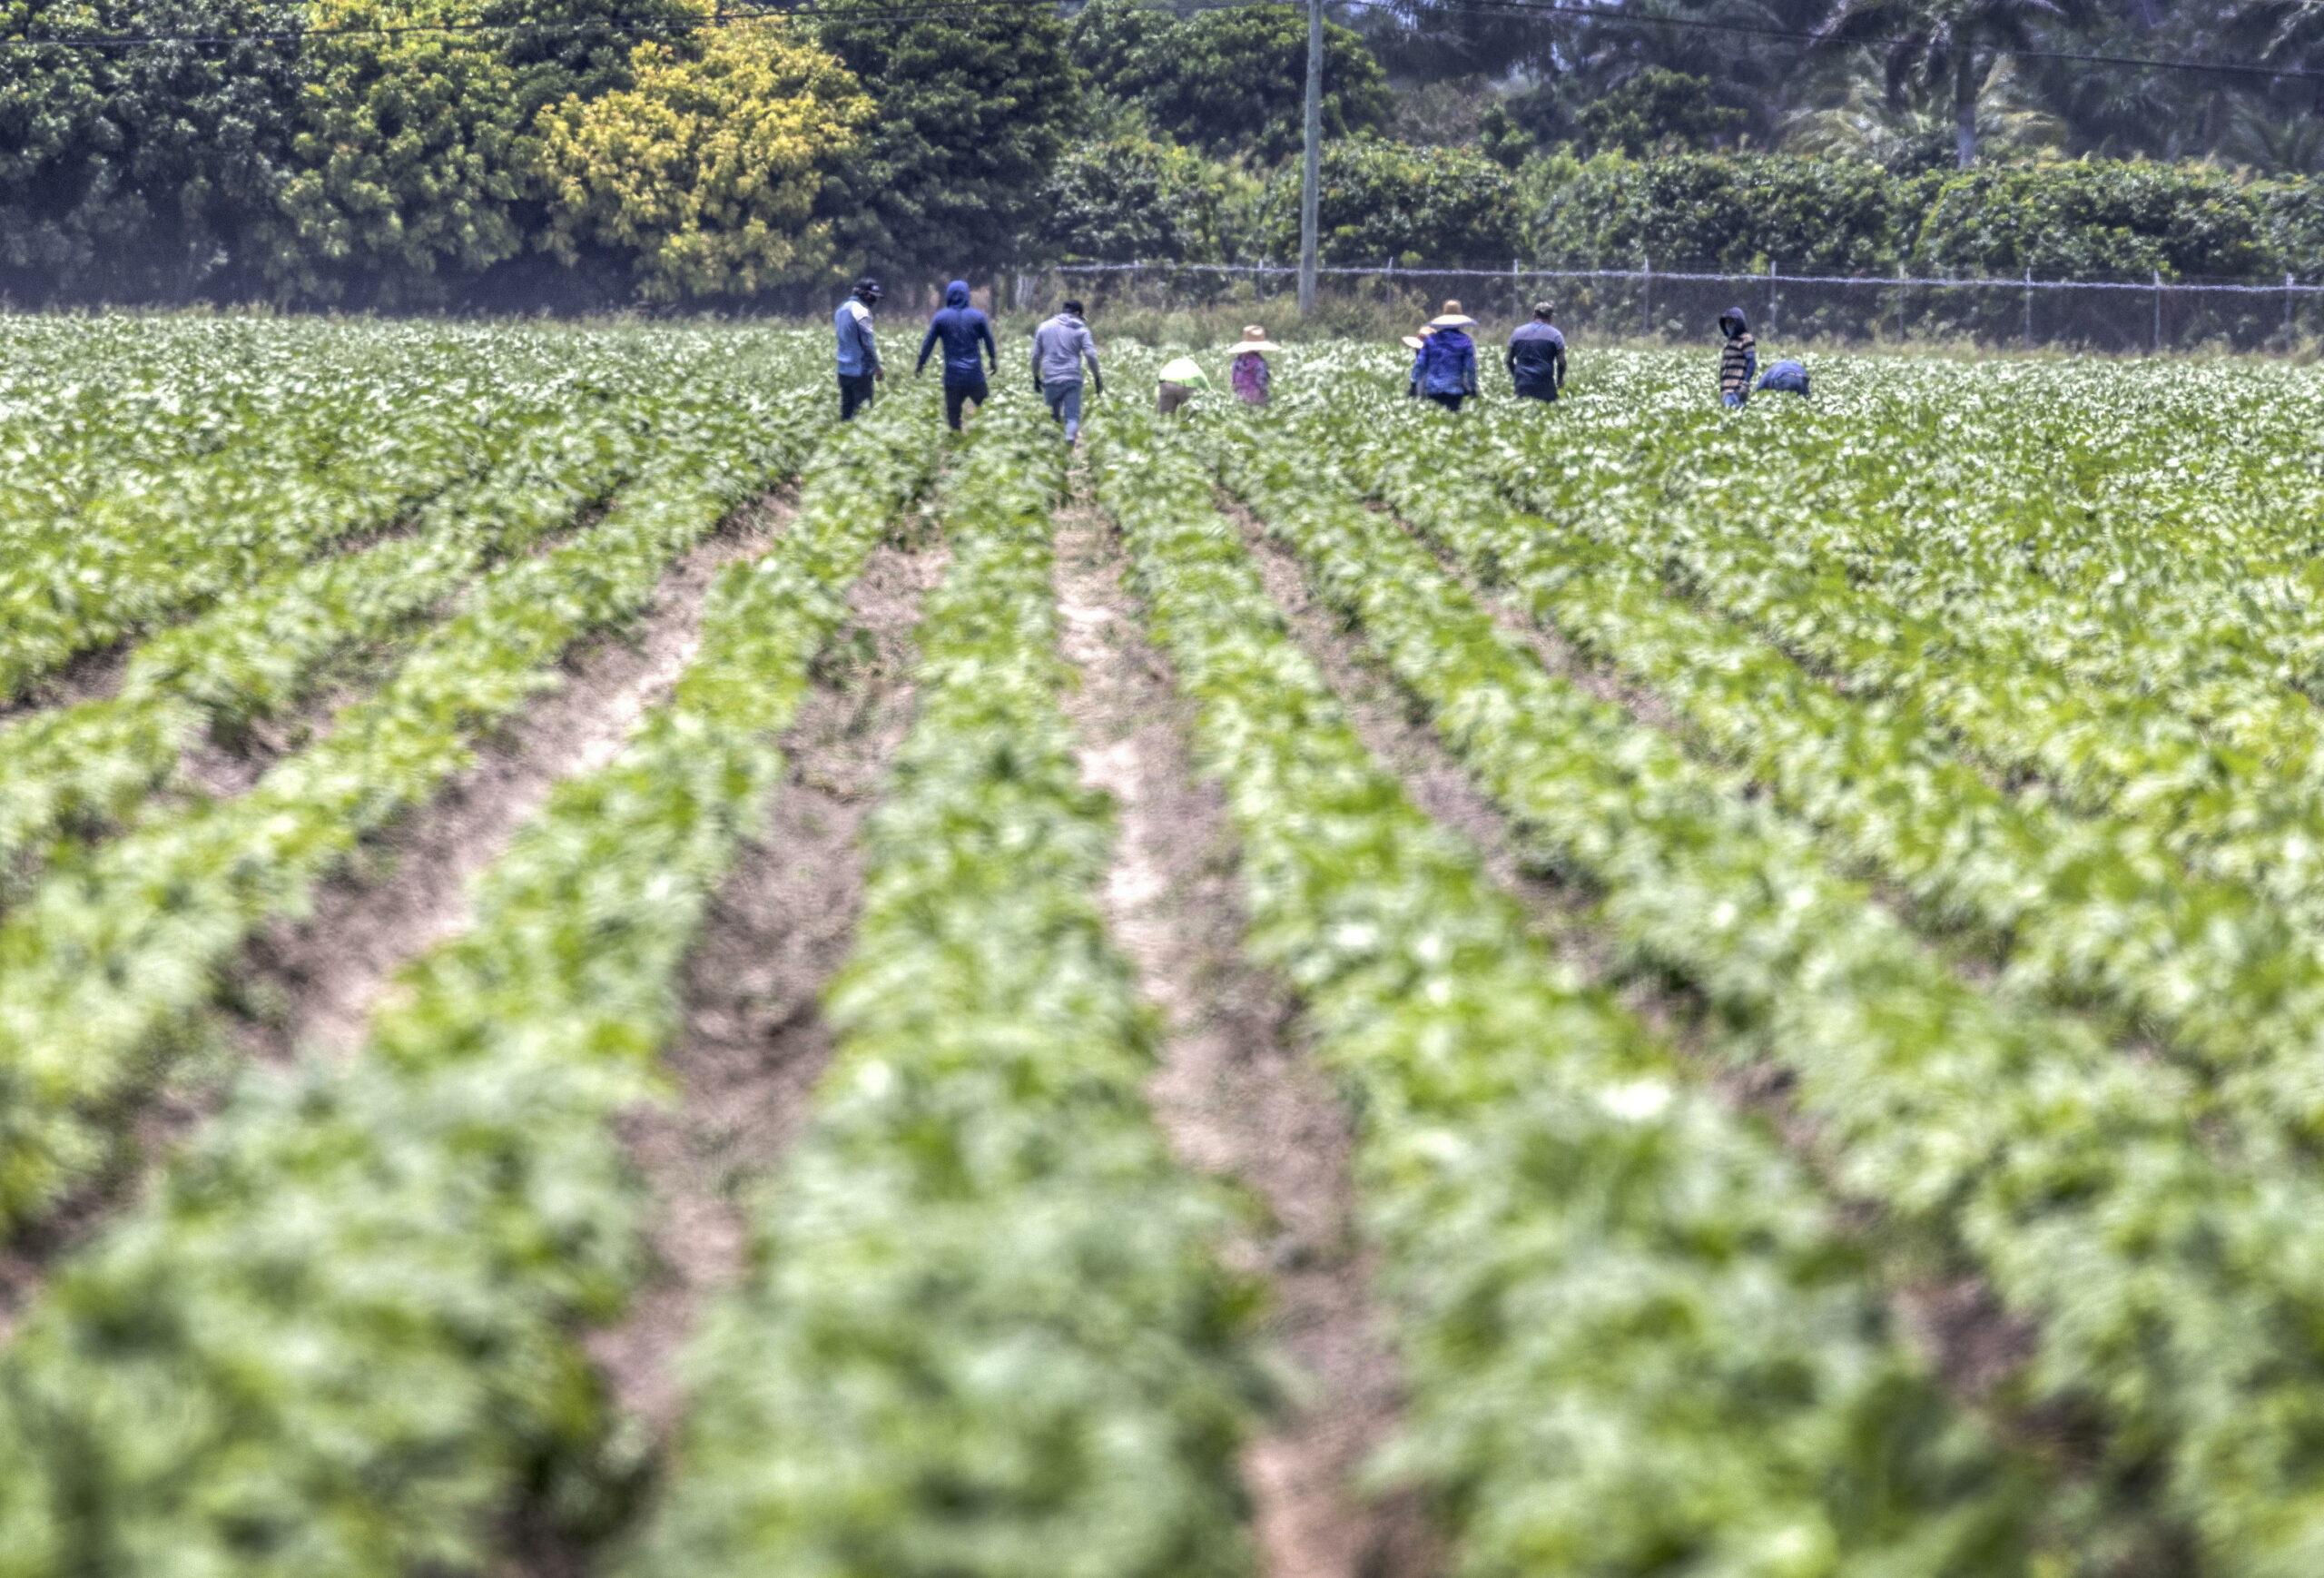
[513, 153]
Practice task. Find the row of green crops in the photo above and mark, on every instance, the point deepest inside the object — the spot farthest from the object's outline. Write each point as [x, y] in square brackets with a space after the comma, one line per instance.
[988, 1328]
[343, 1335]
[341, 447]
[105, 964]
[1635, 1339]
[2087, 908]
[83, 768]
[2161, 1267]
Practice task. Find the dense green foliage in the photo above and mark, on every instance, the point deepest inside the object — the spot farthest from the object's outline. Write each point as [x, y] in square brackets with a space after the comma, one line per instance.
[564, 153]
[1385, 202]
[1228, 80]
[973, 109]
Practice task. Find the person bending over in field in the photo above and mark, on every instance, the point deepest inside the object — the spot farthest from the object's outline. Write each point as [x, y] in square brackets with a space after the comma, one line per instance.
[1447, 372]
[963, 330]
[1738, 361]
[858, 353]
[1181, 380]
[1785, 377]
[1417, 344]
[1059, 347]
[1536, 355]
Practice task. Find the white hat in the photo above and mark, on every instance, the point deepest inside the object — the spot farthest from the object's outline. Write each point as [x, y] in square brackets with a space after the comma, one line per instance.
[1255, 339]
[1414, 342]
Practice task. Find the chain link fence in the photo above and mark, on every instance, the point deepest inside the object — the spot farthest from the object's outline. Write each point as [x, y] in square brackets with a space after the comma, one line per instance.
[2124, 315]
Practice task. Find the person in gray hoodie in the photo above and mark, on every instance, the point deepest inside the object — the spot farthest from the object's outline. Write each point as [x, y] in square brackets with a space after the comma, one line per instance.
[1059, 347]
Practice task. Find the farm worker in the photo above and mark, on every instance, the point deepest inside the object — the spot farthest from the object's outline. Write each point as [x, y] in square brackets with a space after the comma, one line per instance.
[962, 329]
[1181, 379]
[1448, 363]
[1249, 372]
[1416, 344]
[859, 355]
[1059, 347]
[1785, 377]
[1738, 363]
[1536, 355]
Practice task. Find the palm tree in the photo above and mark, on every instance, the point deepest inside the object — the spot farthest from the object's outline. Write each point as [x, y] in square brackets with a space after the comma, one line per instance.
[1951, 45]
[1909, 135]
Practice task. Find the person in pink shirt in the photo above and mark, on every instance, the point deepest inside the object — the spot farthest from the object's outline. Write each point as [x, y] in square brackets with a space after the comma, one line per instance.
[1249, 374]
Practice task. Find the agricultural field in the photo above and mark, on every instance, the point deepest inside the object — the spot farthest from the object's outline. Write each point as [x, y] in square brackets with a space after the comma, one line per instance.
[600, 974]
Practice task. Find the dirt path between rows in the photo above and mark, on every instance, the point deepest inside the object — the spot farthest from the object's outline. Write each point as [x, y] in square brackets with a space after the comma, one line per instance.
[325, 974]
[1234, 1092]
[312, 984]
[754, 1041]
[1971, 1343]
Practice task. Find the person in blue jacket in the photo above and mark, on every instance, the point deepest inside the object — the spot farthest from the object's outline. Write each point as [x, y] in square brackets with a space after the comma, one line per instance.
[1447, 373]
[963, 330]
[859, 354]
[1785, 377]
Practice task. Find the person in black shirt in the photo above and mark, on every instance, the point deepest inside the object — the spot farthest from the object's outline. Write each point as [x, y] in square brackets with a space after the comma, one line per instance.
[1536, 355]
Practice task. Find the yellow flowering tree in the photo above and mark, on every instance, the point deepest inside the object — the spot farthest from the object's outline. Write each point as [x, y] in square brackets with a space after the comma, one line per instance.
[706, 171]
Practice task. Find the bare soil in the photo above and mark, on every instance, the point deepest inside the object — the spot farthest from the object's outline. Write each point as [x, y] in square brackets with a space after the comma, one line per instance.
[88, 676]
[321, 977]
[1234, 1091]
[754, 1040]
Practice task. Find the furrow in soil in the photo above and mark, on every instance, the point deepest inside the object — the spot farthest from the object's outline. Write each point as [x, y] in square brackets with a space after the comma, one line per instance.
[754, 1042]
[1234, 1092]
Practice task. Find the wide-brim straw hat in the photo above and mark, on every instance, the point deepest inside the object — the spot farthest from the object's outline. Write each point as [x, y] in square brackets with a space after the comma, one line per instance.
[1414, 342]
[1255, 339]
[1450, 317]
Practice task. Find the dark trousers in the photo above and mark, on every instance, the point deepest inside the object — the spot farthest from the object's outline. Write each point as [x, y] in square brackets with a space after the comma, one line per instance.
[855, 392]
[1451, 402]
[1536, 394]
[958, 392]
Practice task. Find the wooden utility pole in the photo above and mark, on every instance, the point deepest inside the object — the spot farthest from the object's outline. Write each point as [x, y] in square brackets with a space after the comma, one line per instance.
[1311, 183]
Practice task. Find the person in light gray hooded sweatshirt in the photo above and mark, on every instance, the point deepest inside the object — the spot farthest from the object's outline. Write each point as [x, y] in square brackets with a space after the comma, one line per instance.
[1059, 347]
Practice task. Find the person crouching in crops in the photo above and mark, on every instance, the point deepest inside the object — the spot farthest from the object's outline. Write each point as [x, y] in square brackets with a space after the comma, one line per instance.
[1249, 373]
[1739, 360]
[1785, 377]
[1448, 363]
[1181, 380]
[966, 337]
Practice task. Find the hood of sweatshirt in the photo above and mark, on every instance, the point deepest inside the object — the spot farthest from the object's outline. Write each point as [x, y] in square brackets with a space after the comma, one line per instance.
[956, 294]
[1732, 322]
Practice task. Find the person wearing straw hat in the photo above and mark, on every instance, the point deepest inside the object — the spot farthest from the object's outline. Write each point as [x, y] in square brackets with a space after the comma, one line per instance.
[1415, 343]
[1182, 379]
[1448, 363]
[1536, 355]
[1249, 374]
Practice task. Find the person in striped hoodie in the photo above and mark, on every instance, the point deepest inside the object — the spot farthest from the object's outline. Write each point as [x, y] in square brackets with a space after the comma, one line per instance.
[1738, 363]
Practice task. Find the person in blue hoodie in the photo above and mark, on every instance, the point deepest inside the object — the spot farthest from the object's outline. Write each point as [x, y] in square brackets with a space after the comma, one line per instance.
[859, 354]
[1447, 372]
[962, 329]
